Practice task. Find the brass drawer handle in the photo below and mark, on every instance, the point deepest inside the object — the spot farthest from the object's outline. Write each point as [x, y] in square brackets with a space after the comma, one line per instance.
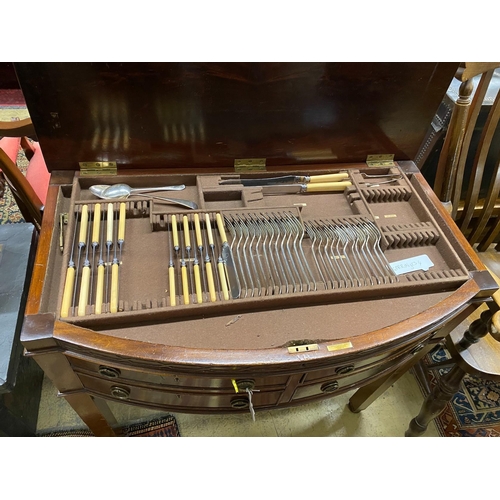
[243, 385]
[120, 392]
[342, 370]
[108, 371]
[418, 348]
[330, 386]
[239, 403]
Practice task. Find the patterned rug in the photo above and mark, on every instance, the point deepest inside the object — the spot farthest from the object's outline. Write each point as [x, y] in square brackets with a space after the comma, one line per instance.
[474, 411]
[159, 427]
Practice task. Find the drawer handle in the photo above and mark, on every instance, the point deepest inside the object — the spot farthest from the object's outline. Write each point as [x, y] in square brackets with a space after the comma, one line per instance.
[418, 348]
[330, 386]
[243, 385]
[120, 392]
[342, 370]
[108, 371]
[239, 403]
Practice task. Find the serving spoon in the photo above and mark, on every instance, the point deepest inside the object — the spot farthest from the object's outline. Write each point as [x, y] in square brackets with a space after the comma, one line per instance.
[101, 191]
[123, 190]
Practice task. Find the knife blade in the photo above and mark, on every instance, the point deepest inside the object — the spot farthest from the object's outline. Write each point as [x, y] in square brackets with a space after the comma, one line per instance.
[320, 187]
[287, 179]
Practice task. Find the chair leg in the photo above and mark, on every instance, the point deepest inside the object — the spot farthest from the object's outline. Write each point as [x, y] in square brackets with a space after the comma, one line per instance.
[436, 401]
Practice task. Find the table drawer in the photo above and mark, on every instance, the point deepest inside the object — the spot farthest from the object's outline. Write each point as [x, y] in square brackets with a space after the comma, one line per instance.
[165, 378]
[178, 399]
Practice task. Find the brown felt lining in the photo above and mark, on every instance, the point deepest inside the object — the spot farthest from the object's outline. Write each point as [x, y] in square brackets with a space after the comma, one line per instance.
[144, 269]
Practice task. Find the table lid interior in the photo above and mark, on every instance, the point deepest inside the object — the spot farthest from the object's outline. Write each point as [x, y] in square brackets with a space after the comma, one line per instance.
[206, 115]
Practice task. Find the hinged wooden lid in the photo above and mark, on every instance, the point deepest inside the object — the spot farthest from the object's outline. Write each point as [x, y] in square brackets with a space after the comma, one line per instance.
[207, 115]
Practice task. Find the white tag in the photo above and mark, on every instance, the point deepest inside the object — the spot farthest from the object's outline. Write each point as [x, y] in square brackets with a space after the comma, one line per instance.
[418, 263]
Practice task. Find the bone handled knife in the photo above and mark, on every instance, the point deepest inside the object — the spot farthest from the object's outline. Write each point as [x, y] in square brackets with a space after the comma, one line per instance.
[319, 187]
[288, 179]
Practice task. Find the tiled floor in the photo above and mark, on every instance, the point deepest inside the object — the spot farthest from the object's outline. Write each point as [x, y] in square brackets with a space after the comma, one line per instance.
[388, 416]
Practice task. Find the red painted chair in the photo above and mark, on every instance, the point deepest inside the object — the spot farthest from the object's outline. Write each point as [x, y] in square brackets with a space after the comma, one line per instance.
[29, 191]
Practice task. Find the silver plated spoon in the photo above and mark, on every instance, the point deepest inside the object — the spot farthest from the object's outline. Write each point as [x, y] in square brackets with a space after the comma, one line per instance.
[100, 193]
[123, 190]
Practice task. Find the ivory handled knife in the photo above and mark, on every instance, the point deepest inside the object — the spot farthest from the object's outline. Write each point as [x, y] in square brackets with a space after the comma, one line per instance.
[319, 187]
[288, 179]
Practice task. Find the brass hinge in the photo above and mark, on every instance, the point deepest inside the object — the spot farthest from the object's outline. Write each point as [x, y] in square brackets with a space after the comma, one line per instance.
[380, 161]
[96, 168]
[250, 165]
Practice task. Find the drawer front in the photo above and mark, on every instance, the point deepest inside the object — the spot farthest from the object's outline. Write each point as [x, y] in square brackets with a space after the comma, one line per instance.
[119, 373]
[178, 399]
[342, 369]
[333, 384]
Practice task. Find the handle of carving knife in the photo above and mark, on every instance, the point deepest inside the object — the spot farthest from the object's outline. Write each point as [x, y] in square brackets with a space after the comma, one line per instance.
[84, 291]
[68, 291]
[185, 288]
[210, 281]
[171, 285]
[197, 230]
[97, 223]
[114, 288]
[223, 281]
[197, 283]
[220, 225]
[327, 177]
[323, 187]
[99, 296]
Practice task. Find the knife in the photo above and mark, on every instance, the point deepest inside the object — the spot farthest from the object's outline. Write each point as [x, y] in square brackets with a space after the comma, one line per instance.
[319, 187]
[288, 179]
[227, 257]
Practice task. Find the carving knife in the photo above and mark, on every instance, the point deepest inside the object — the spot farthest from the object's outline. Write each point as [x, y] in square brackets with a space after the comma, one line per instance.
[318, 187]
[288, 179]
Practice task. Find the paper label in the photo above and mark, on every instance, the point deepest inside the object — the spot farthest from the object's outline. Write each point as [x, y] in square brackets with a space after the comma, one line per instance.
[418, 263]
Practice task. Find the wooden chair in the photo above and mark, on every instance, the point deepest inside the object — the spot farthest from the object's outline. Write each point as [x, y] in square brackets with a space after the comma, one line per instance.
[477, 214]
[29, 191]
[477, 351]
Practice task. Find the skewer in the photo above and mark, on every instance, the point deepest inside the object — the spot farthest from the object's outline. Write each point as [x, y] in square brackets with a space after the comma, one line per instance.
[99, 294]
[114, 277]
[70, 277]
[83, 299]
[171, 268]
